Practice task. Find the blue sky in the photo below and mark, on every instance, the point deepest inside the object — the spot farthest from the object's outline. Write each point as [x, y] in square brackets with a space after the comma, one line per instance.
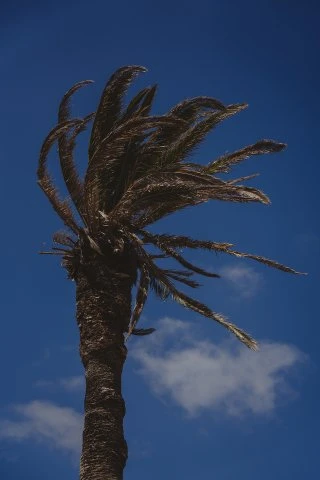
[198, 404]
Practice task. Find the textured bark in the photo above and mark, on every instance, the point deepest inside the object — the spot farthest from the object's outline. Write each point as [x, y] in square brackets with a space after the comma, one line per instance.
[103, 313]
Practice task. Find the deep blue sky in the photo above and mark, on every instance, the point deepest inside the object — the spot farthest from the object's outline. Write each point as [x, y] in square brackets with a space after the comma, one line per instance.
[254, 415]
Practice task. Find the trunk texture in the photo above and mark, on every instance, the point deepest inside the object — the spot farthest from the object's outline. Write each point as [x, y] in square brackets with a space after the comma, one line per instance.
[103, 313]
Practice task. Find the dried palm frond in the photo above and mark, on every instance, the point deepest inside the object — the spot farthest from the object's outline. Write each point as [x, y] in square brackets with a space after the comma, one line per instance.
[110, 106]
[141, 298]
[243, 179]
[224, 163]
[196, 133]
[62, 238]
[265, 261]
[141, 104]
[62, 207]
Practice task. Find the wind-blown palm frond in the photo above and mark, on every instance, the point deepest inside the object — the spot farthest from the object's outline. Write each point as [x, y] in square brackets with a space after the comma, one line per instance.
[171, 252]
[192, 108]
[265, 261]
[153, 197]
[166, 242]
[243, 179]
[196, 133]
[142, 295]
[190, 111]
[104, 167]
[224, 163]
[139, 172]
[45, 181]
[109, 109]
[67, 144]
[141, 104]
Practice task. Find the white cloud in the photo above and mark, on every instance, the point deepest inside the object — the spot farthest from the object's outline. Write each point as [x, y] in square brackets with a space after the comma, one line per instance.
[246, 281]
[198, 375]
[46, 422]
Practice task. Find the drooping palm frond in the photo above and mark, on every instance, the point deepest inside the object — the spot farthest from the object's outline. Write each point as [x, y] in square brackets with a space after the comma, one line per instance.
[62, 208]
[171, 252]
[67, 144]
[141, 298]
[265, 261]
[187, 301]
[165, 242]
[139, 172]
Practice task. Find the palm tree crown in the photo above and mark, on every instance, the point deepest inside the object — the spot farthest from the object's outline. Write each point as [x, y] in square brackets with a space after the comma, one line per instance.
[138, 172]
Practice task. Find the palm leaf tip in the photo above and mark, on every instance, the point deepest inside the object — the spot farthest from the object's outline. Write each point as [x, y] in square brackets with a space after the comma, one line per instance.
[143, 331]
[244, 337]
[241, 335]
[65, 102]
[265, 261]
[278, 146]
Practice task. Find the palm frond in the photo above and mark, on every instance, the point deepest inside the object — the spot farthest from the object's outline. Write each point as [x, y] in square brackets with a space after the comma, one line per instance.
[141, 104]
[62, 238]
[101, 180]
[146, 104]
[110, 106]
[69, 171]
[142, 331]
[154, 197]
[62, 207]
[135, 104]
[141, 298]
[192, 108]
[205, 311]
[181, 278]
[159, 288]
[158, 275]
[196, 133]
[64, 107]
[171, 252]
[225, 162]
[243, 179]
[164, 241]
[189, 110]
[182, 241]
[66, 144]
[265, 261]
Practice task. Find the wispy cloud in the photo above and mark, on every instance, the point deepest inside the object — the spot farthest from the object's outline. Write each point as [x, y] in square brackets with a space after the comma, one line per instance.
[46, 422]
[72, 384]
[200, 376]
[246, 281]
[69, 384]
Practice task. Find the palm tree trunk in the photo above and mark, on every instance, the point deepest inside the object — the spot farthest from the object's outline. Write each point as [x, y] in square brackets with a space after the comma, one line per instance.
[103, 313]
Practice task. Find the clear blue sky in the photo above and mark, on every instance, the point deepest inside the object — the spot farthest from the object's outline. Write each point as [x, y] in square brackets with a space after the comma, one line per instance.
[198, 405]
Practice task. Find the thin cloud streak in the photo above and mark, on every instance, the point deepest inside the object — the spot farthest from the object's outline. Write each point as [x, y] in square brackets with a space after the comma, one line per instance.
[69, 384]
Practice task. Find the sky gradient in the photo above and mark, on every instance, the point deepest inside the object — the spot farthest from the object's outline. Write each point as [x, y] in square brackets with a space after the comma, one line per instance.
[199, 405]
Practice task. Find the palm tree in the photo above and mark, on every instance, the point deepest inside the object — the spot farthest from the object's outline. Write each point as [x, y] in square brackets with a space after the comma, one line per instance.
[138, 172]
